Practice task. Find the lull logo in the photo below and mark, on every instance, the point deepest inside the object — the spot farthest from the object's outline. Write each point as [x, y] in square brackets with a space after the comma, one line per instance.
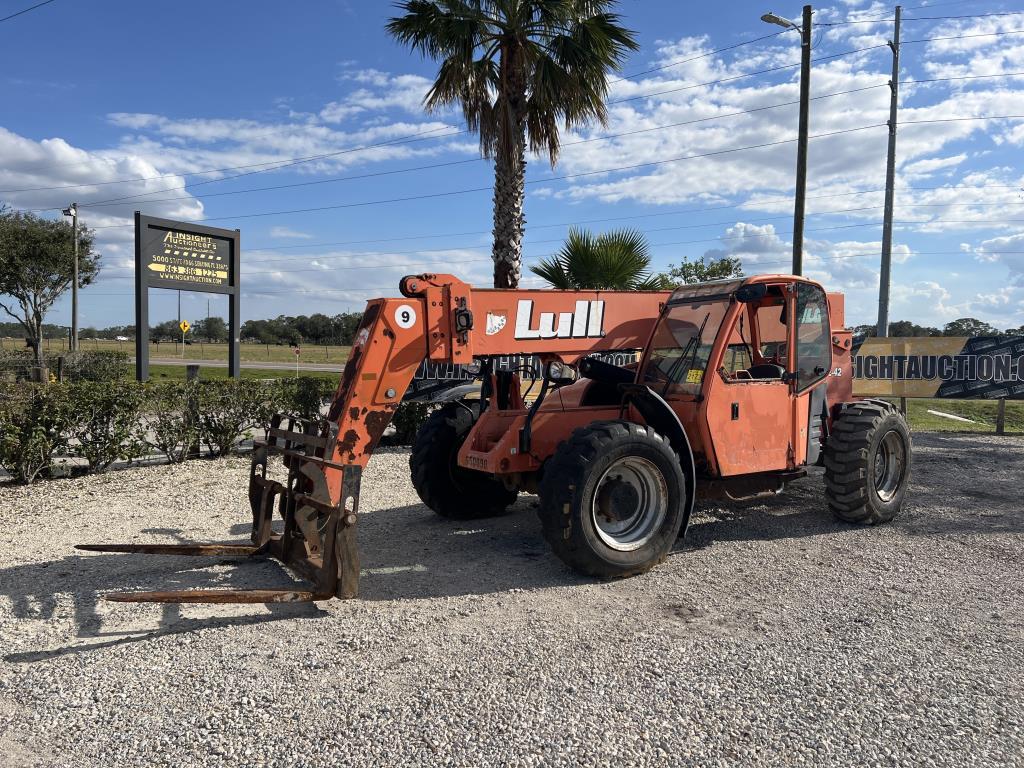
[587, 321]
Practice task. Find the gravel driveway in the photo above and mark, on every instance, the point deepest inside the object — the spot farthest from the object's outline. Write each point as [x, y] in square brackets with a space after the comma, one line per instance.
[772, 636]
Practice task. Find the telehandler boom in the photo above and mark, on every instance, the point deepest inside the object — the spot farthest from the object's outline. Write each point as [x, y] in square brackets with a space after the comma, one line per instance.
[737, 386]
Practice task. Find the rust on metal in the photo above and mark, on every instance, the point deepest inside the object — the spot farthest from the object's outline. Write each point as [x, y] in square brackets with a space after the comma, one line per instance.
[189, 550]
[218, 596]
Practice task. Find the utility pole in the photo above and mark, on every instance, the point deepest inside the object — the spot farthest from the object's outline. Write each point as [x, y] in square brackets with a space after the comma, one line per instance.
[72, 211]
[890, 184]
[801, 146]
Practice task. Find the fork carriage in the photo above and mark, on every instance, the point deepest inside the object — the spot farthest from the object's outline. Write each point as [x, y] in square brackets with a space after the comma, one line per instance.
[318, 539]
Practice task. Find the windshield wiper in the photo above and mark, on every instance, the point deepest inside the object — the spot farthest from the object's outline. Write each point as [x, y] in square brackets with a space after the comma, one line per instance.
[695, 343]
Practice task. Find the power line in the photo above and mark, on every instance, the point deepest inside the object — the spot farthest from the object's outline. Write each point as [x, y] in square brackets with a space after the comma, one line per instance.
[964, 37]
[288, 162]
[604, 220]
[567, 176]
[744, 75]
[695, 58]
[963, 119]
[529, 181]
[847, 22]
[450, 163]
[26, 10]
[294, 161]
[283, 163]
[961, 77]
[969, 16]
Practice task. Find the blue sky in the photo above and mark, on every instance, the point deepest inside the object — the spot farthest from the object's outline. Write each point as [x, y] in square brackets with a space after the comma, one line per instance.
[116, 99]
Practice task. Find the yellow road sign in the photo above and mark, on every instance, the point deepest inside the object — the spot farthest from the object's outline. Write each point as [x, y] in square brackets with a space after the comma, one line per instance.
[185, 326]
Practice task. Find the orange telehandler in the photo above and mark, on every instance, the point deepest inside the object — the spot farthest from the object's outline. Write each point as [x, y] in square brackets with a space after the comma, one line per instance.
[738, 386]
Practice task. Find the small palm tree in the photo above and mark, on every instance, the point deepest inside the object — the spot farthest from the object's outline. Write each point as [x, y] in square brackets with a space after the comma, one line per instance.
[518, 68]
[618, 260]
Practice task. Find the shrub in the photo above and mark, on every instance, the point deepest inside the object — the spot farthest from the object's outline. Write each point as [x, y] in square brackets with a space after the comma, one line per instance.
[94, 365]
[304, 397]
[227, 410]
[84, 365]
[34, 421]
[408, 419]
[15, 364]
[276, 399]
[170, 418]
[105, 422]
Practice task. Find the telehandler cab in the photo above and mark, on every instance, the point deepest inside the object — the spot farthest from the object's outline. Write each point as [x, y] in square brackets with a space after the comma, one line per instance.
[737, 386]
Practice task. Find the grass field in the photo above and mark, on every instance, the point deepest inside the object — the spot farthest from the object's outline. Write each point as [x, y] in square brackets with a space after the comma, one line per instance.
[981, 412]
[202, 351]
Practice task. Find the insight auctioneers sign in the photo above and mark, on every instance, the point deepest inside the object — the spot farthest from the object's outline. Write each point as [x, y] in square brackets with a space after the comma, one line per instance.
[983, 367]
[180, 259]
[182, 256]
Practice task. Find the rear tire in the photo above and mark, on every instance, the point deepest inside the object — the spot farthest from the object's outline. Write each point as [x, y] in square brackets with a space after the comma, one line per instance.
[867, 463]
[452, 491]
[612, 499]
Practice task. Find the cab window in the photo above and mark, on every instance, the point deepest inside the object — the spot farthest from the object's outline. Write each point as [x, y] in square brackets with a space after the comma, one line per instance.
[813, 335]
[678, 356]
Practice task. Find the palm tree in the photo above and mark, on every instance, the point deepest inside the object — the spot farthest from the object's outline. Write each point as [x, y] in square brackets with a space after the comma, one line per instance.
[518, 68]
[618, 260]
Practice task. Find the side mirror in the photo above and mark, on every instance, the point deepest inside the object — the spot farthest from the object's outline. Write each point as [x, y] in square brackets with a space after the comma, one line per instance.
[752, 292]
[559, 373]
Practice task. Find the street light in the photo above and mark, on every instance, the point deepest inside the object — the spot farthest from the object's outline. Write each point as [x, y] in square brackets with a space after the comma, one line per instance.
[72, 211]
[773, 18]
[801, 146]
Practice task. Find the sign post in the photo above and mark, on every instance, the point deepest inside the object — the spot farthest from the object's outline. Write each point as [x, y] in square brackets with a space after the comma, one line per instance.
[186, 257]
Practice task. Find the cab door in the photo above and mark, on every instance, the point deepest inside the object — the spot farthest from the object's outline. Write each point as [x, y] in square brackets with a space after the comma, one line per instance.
[749, 405]
[810, 364]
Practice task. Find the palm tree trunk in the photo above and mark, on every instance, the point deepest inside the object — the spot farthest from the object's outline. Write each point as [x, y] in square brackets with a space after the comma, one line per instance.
[509, 219]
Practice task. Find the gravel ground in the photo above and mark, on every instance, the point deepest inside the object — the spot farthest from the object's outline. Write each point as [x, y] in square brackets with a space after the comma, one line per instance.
[771, 636]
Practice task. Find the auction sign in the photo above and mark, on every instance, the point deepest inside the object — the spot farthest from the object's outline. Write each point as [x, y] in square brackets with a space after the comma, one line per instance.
[984, 367]
[180, 256]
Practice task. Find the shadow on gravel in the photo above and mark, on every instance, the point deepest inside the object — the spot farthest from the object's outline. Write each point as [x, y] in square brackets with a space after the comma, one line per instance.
[40, 591]
[411, 553]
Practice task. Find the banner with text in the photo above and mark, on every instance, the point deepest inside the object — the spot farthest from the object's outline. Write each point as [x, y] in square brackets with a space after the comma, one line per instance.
[954, 367]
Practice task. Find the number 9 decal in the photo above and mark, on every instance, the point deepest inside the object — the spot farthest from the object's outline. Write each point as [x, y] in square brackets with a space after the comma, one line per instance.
[405, 316]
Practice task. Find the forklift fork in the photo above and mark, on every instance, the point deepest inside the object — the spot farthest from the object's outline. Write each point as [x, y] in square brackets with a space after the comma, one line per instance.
[318, 540]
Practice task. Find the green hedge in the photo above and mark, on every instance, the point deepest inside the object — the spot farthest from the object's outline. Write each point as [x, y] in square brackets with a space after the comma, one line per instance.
[85, 365]
[104, 422]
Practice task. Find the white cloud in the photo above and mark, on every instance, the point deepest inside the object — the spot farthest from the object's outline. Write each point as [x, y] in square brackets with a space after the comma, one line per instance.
[287, 232]
[38, 174]
[380, 91]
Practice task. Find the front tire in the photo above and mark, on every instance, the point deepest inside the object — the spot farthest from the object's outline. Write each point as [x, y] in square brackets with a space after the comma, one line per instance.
[452, 491]
[612, 499]
[867, 463]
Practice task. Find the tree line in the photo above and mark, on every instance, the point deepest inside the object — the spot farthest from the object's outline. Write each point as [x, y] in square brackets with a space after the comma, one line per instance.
[964, 326]
[285, 329]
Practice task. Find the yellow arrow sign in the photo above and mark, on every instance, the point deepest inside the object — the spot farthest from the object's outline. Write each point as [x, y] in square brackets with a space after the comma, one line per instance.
[185, 326]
